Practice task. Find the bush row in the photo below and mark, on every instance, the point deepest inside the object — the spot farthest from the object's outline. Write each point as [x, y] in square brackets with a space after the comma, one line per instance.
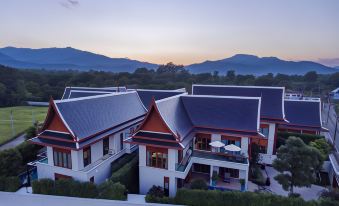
[9, 184]
[214, 197]
[128, 175]
[126, 158]
[307, 138]
[72, 188]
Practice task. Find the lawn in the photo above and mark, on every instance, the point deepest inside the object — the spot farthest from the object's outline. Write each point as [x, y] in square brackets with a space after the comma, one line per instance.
[23, 117]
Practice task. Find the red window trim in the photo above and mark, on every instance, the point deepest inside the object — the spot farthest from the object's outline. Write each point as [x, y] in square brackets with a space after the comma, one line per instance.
[156, 150]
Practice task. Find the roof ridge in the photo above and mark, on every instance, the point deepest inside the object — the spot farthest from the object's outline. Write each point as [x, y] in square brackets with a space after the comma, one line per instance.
[93, 97]
[240, 86]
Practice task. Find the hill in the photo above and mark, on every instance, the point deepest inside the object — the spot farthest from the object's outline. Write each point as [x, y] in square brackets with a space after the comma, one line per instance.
[66, 58]
[250, 64]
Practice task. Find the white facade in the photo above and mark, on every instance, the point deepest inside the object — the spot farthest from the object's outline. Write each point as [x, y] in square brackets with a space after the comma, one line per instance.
[100, 167]
[149, 176]
[269, 156]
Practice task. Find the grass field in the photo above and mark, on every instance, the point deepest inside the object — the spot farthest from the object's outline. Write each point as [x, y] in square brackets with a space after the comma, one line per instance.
[23, 117]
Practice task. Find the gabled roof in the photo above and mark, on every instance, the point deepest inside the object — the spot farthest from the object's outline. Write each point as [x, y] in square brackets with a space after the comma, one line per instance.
[146, 95]
[80, 93]
[272, 106]
[183, 113]
[304, 113]
[68, 90]
[88, 116]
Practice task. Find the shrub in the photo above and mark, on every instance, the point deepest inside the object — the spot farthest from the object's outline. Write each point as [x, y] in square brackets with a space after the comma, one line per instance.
[87, 190]
[257, 176]
[9, 184]
[128, 175]
[332, 194]
[43, 186]
[31, 132]
[112, 191]
[11, 162]
[323, 146]
[28, 152]
[155, 194]
[307, 138]
[199, 184]
[119, 163]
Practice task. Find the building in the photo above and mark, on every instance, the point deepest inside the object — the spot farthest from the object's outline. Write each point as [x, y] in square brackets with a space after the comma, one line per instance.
[304, 116]
[174, 141]
[76, 92]
[84, 135]
[272, 111]
[335, 94]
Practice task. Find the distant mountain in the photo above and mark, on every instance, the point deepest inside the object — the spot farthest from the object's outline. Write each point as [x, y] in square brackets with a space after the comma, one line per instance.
[66, 58]
[70, 58]
[250, 64]
[336, 67]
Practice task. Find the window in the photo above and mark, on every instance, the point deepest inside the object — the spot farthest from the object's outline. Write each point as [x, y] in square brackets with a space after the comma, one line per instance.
[166, 185]
[87, 156]
[156, 157]
[91, 179]
[61, 177]
[202, 142]
[264, 129]
[121, 141]
[62, 158]
[105, 143]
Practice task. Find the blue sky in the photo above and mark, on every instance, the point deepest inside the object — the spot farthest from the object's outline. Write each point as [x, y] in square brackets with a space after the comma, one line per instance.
[181, 31]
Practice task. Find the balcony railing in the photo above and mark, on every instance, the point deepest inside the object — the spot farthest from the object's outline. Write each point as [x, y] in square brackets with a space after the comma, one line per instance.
[220, 156]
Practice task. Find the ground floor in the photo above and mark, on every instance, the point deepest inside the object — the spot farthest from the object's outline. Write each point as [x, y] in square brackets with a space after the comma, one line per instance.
[217, 177]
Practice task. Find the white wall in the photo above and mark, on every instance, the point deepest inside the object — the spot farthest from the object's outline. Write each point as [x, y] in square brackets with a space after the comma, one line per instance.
[215, 137]
[271, 135]
[96, 151]
[49, 151]
[77, 159]
[244, 146]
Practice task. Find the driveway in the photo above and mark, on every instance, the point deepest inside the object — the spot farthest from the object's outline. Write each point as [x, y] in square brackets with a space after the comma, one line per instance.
[14, 142]
[308, 193]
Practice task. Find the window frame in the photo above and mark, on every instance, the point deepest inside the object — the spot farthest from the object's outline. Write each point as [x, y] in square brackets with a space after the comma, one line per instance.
[157, 157]
[62, 158]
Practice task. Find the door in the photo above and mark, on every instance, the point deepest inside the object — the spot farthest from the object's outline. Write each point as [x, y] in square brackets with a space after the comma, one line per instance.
[166, 185]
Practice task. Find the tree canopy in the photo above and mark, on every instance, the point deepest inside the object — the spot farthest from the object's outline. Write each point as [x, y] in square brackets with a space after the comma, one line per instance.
[297, 164]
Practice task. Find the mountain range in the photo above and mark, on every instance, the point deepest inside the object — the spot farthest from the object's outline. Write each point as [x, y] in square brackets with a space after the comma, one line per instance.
[70, 58]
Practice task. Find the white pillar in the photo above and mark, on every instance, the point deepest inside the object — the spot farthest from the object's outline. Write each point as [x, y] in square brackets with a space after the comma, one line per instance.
[142, 155]
[215, 137]
[271, 135]
[50, 156]
[172, 159]
[244, 146]
[172, 186]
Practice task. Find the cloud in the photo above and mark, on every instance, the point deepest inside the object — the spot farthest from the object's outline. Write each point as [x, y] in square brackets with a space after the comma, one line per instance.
[329, 62]
[68, 4]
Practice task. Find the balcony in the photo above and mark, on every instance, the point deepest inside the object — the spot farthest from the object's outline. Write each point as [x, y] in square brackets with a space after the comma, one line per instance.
[220, 156]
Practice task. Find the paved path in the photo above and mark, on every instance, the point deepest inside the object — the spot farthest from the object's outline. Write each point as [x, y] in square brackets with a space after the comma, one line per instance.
[329, 119]
[308, 193]
[15, 199]
[14, 142]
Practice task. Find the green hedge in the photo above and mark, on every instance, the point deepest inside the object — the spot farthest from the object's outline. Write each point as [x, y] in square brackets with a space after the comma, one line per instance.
[214, 197]
[257, 176]
[9, 184]
[307, 138]
[72, 188]
[119, 163]
[128, 175]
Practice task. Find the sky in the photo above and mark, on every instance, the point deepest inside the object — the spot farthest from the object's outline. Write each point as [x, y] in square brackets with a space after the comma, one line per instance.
[179, 31]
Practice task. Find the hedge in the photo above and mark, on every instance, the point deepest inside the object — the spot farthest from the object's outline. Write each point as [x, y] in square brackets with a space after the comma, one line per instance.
[119, 163]
[73, 188]
[307, 138]
[214, 197]
[9, 184]
[128, 175]
[257, 176]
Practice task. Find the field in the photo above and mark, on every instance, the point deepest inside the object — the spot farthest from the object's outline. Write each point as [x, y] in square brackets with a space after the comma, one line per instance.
[23, 117]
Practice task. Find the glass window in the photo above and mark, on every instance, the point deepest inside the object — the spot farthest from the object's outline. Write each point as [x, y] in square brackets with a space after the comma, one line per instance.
[105, 144]
[156, 157]
[264, 131]
[87, 156]
[62, 158]
[203, 143]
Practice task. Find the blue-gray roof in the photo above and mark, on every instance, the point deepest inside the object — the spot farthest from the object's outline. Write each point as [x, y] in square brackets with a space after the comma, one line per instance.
[90, 115]
[76, 94]
[271, 97]
[146, 96]
[303, 113]
[67, 92]
[182, 113]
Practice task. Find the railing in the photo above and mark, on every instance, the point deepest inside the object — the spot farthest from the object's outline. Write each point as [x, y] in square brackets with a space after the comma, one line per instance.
[183, 164]
[220, 156]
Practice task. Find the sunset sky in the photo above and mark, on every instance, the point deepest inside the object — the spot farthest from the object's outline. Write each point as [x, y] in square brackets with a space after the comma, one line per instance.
[181, 31]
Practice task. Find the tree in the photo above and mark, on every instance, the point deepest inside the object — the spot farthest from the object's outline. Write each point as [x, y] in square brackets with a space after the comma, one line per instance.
[311, 76]
[297, 164]
[230, 75]
[323, 146]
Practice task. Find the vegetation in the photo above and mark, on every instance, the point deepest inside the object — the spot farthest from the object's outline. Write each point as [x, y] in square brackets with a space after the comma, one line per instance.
[307, 138]
[297, 164]
[199, 184]
[215, 197]
[22, 120]
[119, 163]
[17, 86]
[323, 146]
[256, 175]
[9, 184]
[73, 188]
[157, 194]
[128, 174]
[112, 191]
